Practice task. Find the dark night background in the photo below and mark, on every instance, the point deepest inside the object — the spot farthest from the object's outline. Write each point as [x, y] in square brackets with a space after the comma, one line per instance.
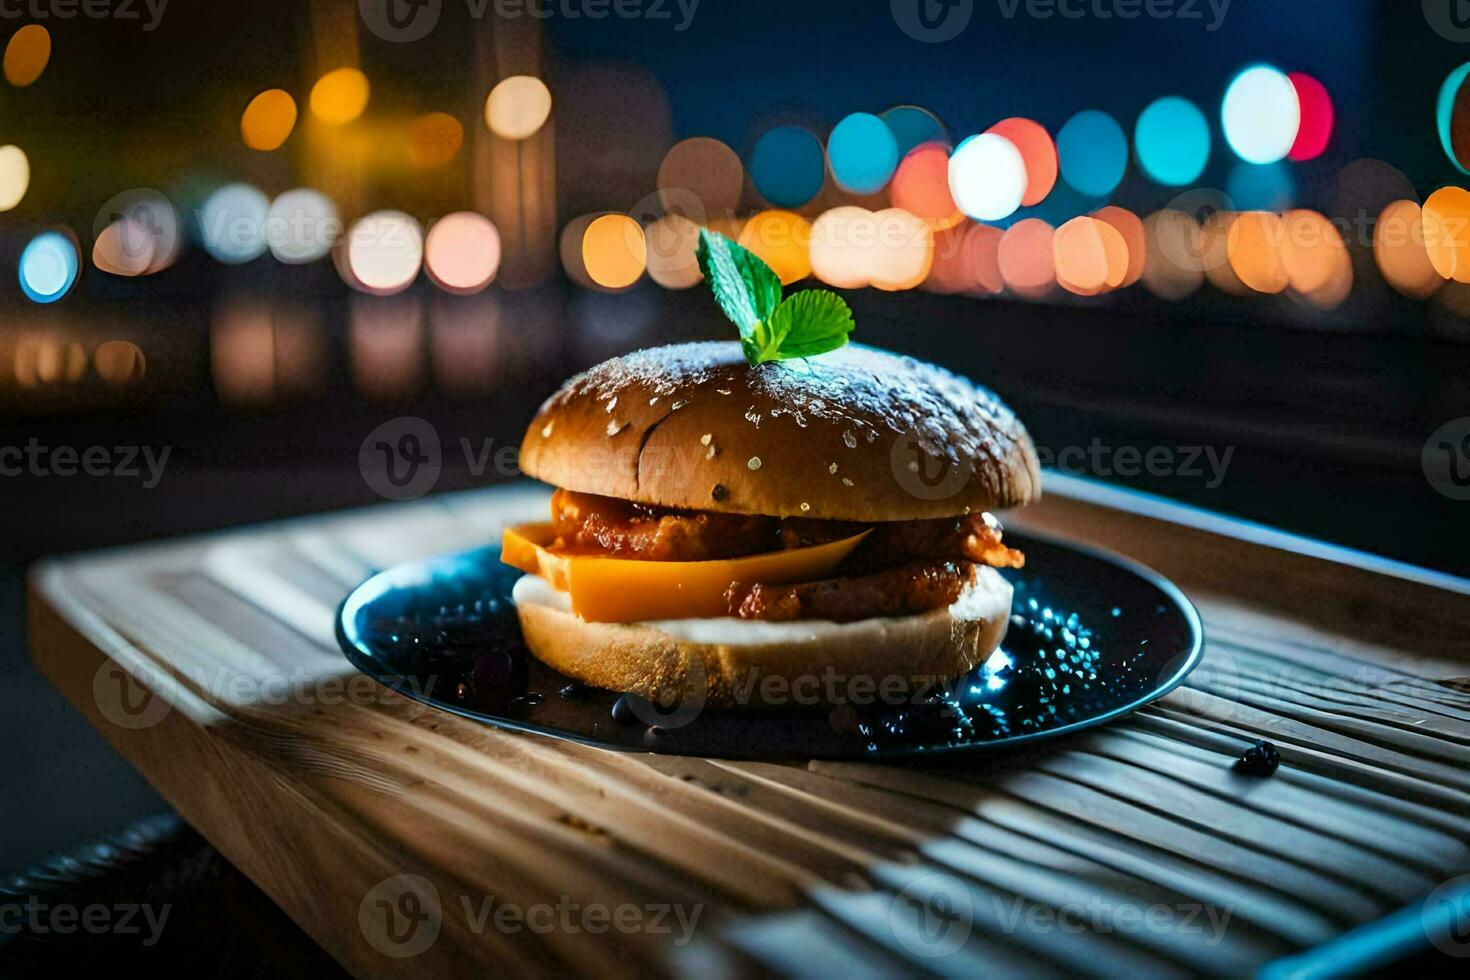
[1327, 413]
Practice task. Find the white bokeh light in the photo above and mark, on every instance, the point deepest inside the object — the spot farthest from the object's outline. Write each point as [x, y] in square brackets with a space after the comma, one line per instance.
[1261, 115]
[987, 177]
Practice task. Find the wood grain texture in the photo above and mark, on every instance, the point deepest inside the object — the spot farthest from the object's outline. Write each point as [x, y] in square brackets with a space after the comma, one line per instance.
[211, 665]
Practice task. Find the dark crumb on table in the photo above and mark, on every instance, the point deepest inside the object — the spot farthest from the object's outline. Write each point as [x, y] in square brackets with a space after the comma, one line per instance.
[1261, 759]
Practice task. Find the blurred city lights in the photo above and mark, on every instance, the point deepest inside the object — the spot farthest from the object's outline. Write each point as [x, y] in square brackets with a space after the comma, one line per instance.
[48, 267]
[1318, 268]
[232, 223]
[841, 239]
[670, 243]
[1216, 240]
[982, 259]
[863, 153]
[1317, 118]
[1090, 256]
[142, 214]
[340, 96]
[1092, 153]
[782, 239]
[434, 139]
[788, 166]
[1172, 140]
[462, 252]
[384, 251]
[614, 251]
[302, 225]
[921, 185]
[1173, 266]
[15, 176]
[119, 362]
[124, 248]
[1446, 217]
[517, 107]
[268, 120]
[1398, 248]
[1130, 228]
[1026, 259]
[27, 54]
[987, 177]
[1260, 186]
[705, 168]
[912, 125]
[1261, 115]
[1038, 152]
[1452, 117]
[1253, 249]
[906, 251]
[948, 274]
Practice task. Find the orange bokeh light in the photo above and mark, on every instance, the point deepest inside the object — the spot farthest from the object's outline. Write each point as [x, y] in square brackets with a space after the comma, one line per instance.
[1398, 247]
[921, 185]
[614, 251]
[1038, 152]
[1025, 258]
[782, 239]
[1255, 246]
[1091, 257]
[1446, 217]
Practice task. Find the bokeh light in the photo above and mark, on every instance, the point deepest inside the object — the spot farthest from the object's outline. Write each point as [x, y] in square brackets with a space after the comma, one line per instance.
[842, 239]
[1092, 152]
[921, 185]
[517, 107]
[1038, 152]
[1261, 115]
[982, 260]
[913, 125]
[987, 177]
[948, 274]
[1090, 256]
[670, 242]
[145, 212]
[340, 96]
[1446, 217]
[905, 252]
[1317, 118]
[384, 251]
[268, 120]
[1172, 140]
[1130, 227]
[1452, 117]
[124, 248]
[119, 362]
[27, 54]
[788, 166]
[302, 225]
[1255, 245]
[1215, 240]
[462, 252]
[1027, 264]
[862, 153]
[705, 168]
[434, 139]
[614, 251]
[48, 266]
[1398, 248]
[1173, 266]
[232, 223]
[15, 176]
[1318, 268]
[783, 240]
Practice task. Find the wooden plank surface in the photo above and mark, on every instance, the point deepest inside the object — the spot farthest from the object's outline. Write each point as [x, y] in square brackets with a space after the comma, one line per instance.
[406, 840]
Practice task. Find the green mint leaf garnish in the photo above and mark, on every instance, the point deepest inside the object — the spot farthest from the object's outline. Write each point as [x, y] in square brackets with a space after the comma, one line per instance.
[806, 324]
[809, 323]
[744, 286]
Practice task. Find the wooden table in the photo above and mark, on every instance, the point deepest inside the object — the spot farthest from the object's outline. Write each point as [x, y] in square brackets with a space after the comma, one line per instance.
[408, 841]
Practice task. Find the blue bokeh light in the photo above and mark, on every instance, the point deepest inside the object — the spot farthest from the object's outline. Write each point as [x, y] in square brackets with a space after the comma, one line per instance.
[48, 267]
[863, 153]
[1172, 139]
[1093, 153]
[787, 166]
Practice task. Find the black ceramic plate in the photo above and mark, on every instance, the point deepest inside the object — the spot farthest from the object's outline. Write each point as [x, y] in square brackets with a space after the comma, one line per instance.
[1092, 637]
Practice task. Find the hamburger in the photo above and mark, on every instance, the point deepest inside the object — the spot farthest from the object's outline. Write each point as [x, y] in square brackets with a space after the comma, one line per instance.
[722, 520]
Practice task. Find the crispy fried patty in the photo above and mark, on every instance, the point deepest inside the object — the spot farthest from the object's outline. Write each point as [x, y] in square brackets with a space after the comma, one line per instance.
[902, 567]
